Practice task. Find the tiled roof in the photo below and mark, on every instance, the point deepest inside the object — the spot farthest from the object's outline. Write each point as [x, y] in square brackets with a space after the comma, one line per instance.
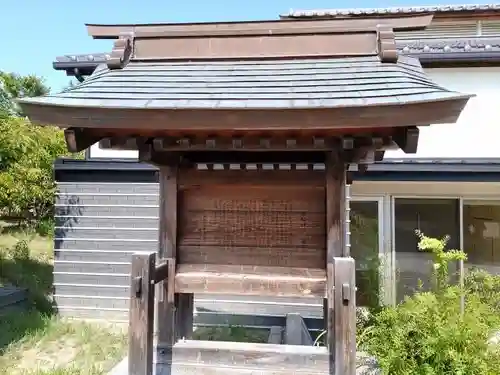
[425, 49]
[391, 11]
[452, 45]
[319, 83]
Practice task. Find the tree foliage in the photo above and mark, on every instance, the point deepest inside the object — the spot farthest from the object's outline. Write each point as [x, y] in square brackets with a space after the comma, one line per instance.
[27, 153]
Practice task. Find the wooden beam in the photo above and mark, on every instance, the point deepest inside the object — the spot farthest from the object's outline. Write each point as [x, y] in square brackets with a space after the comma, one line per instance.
[335, 206]
[336, 232]
[270, 157]
[141, 317]
[277, 143]
[193, 357]
[78, 139]
[165, 305]
[407, 139]
[342, 317]
[148, 155]
[250, 280]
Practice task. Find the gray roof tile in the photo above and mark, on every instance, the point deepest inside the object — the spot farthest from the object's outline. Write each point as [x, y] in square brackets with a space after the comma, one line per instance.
[420, 48]
[319, 83]
[392, 10]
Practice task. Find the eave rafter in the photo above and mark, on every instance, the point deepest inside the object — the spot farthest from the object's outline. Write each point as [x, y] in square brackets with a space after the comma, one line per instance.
[358, 149]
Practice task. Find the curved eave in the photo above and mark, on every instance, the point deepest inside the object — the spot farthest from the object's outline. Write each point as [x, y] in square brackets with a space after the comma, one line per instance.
[326, 93]
[445, 110]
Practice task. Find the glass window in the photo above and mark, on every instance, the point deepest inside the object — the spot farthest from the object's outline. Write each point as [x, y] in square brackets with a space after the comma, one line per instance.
[481, 221]
[364, 228]
[435, 218]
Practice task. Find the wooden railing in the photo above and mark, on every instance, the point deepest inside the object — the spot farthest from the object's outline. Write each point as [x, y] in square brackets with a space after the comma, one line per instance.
[185, 356]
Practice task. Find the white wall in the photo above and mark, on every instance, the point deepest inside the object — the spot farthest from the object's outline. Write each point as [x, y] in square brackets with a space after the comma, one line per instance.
[475, 135]
[97, 152]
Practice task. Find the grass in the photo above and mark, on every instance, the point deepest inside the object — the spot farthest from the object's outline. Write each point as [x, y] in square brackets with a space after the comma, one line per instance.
[35, 340]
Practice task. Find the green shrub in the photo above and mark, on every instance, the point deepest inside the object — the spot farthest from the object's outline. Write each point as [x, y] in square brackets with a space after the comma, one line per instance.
[441, 257]
[428, 335]
[21, 250]
[485, 285]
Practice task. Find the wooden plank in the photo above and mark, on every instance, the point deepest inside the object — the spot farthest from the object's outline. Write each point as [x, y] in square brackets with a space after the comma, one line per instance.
[234, 358]
[250, 280]
[165, 306]
[209, 197]
[253, 178]
[141, 314]
[300, 257]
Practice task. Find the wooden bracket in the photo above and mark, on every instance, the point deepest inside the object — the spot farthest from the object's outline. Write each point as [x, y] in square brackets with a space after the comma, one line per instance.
[122, 51]
[387, 50]
[78, 139]
[407, 139]
[148, 154]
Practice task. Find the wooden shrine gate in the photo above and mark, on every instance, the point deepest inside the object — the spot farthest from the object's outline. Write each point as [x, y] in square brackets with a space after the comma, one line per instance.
[238, 116]
[247, 231]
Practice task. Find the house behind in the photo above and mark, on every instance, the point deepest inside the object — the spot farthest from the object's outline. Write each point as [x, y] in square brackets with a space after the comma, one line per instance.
[107, 205]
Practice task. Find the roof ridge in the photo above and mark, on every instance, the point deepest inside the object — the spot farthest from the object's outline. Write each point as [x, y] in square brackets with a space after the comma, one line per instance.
[391, 10]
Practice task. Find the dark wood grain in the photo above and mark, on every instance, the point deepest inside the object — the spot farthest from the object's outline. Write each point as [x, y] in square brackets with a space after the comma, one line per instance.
[141, 314]
[79, 139]
[343, 316]
[165, 306]
[342, 119]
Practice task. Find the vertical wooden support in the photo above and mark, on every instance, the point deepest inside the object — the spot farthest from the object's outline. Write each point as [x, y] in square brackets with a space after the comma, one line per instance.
[335, 225]
[174, 311]
[335, 207]
[184, 317]
[165, 304]
[140, 356]
[342, 312]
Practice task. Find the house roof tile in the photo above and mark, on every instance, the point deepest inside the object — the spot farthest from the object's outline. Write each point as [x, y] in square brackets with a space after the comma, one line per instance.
[363, 12]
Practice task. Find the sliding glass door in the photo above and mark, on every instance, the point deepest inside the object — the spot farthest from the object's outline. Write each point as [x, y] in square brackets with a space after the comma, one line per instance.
[366, 245]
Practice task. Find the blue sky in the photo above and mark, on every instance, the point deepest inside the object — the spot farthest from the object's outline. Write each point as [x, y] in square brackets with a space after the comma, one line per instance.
[35, 31]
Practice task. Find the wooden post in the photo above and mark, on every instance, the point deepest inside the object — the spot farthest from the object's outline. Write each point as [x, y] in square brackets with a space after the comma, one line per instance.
[340, 292]
[140, 356]
[184, 315]
[343, 316]
[165, 304]
[174, 313]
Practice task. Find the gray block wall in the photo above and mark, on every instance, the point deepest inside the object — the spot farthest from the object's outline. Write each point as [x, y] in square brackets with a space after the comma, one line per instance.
[98, 226]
